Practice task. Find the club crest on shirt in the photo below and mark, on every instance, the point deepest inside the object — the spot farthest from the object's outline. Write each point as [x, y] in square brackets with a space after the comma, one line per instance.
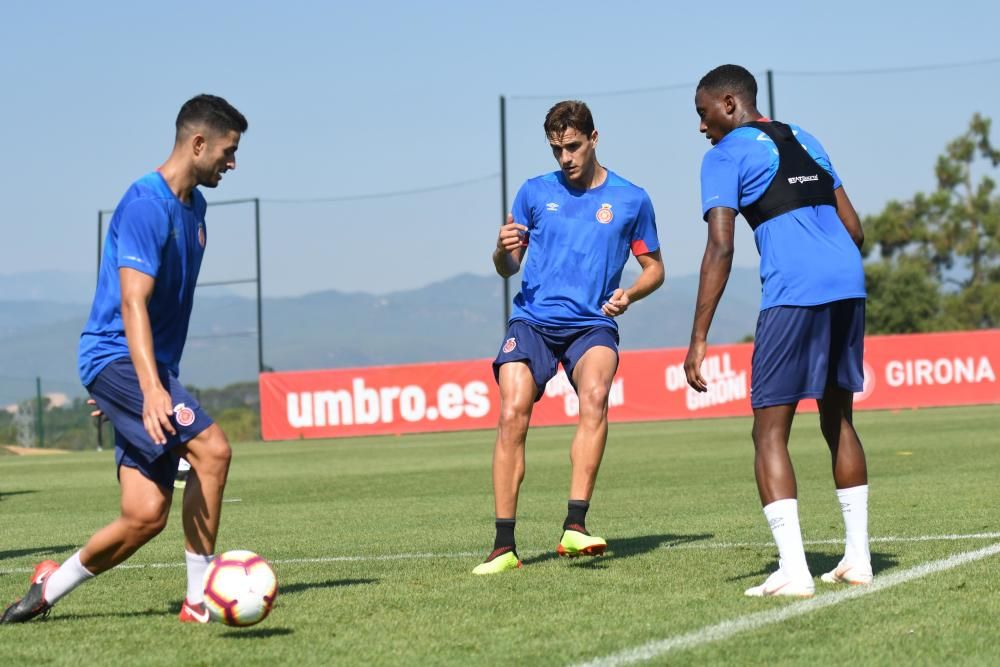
[509, 345]
[183, 414]
[201, 235]
[604, 214]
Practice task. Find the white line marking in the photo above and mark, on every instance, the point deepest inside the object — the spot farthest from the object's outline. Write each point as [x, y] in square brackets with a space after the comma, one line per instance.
[887, 538]
[474, 554]
[727, 629]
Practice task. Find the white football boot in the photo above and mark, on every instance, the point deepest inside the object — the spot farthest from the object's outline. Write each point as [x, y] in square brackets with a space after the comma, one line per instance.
[780, 583]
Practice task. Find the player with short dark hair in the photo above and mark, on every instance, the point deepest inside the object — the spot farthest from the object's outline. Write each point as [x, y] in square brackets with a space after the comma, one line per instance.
[574, 230]
[129, 356]
[809, 341]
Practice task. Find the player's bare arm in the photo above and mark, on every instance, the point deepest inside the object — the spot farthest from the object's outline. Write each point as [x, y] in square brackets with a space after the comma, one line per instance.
[848, 216]
[510, 247]
[649, 281]
[137, 288]
[715, 267]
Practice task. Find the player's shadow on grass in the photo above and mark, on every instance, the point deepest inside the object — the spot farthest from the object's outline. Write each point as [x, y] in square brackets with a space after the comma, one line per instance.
[7, 494]
[56, 617]
[626, 547]
[257, 633]
[37, 551]
[290, 589]
[820, 563]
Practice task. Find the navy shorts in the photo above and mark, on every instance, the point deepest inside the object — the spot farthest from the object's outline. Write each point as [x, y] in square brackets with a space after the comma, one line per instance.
[544, 348]
[117, 393]
[799, 351]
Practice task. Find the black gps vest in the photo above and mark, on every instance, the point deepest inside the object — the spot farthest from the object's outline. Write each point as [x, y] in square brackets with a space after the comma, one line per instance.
[800, 180]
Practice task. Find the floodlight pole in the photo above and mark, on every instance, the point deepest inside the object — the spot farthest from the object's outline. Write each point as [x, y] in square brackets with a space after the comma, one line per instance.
[503, 199]
[40, 413]
[100, 239]
[260, 317]
[770, 94]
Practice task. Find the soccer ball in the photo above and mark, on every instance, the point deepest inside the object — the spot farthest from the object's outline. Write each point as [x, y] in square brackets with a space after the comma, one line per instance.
[240, 588]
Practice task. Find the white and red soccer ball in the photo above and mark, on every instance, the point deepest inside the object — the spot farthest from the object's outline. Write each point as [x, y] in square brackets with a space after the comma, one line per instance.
[240, 588]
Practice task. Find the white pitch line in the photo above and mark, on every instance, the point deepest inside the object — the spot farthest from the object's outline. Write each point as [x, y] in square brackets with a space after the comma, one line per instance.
[727, 629]
[473, 554]
[887, 538]
[284, 561]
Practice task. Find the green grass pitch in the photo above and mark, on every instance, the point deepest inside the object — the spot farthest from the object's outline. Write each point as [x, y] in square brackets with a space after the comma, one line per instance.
[373, 541]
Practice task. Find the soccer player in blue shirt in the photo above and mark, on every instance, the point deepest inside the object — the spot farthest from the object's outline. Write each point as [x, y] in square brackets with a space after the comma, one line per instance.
[573, 229]
[129, 354]
[810, 334]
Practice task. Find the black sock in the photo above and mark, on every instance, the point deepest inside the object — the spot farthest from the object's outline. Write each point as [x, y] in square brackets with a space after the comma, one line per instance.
[577, 515]
[505, 534]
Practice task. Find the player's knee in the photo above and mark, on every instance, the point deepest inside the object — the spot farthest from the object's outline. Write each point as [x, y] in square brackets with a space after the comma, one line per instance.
[221, 453]
[514, 414]
[143, 524]
[210, 452]
[155, 526]
[764, 437]
[593, 400]
[830, 431]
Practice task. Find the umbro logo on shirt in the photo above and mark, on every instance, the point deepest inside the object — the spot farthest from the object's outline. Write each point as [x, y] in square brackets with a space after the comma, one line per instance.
[552, 207]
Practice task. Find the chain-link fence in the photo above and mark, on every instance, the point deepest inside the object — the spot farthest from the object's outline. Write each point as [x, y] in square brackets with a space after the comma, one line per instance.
[45, 413]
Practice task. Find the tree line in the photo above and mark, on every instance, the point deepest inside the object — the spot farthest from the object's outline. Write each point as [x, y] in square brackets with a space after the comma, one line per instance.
[933, 261]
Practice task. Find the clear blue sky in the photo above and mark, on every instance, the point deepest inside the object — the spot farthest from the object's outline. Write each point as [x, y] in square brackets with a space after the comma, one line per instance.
[355, 98]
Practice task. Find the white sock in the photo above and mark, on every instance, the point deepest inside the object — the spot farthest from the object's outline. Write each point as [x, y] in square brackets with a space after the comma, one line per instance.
[197, 564]
[854, 506]
[783, 519]
[70, 574]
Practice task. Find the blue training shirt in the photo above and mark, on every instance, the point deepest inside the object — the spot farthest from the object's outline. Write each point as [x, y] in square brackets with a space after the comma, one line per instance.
[154, 232]
[577, 245]
[807, 256]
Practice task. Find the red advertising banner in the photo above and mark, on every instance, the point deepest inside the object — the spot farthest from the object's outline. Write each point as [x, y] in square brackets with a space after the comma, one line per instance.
[920, 370]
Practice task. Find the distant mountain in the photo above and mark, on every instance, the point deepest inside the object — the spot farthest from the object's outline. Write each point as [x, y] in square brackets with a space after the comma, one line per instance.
[458, 318]
[56, 286]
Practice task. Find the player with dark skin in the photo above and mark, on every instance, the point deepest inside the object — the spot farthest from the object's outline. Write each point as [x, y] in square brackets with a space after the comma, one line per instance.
[809, 336]
[721, 113]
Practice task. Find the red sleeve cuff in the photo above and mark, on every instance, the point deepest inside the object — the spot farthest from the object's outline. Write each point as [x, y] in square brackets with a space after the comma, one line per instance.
[639, 247]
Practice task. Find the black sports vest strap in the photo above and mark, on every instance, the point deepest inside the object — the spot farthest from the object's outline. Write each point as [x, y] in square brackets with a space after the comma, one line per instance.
[800, 180]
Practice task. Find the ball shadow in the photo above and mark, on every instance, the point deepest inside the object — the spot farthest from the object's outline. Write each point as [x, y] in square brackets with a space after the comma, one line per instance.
[257, 633]
[291, 589]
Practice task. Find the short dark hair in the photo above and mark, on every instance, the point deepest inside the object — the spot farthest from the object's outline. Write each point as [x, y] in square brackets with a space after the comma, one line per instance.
[569, 114]
[213, 111]
[731, 79]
